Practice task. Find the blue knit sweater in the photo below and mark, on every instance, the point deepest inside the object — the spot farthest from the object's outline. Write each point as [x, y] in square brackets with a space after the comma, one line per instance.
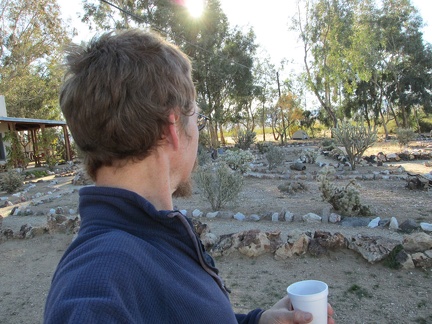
[133, 264]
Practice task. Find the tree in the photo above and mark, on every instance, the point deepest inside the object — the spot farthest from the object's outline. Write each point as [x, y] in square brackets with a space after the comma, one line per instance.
[31, 40]
[285, 115]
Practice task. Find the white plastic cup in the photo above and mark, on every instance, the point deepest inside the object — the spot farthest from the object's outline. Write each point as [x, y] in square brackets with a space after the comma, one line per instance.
[310, 296]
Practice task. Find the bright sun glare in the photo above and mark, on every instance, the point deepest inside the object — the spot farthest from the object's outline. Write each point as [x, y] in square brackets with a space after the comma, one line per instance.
[195, 7]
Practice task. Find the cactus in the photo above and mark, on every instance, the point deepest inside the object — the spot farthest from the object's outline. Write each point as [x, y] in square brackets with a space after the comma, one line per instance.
[356, 139]
[345, 200]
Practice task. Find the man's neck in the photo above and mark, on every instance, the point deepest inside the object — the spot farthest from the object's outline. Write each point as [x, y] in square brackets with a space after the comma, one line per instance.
[149, 178]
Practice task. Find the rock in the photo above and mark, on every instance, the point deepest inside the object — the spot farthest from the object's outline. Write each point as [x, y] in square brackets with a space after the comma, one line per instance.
[392, 157]
[421, 260]
[226, 214]
[311, 218]
[255, 218]
[331, 241]
[283, 252]
[212, 214]
[62, 224]
[427, 227]
[394, 224]
[404, 260]
[208, 240]
[289, 217]
[253, 243]
[372, 248]
[275, 217]
[82, 179]
[374, 222]
[184, 212]
[355, 221]
[428, 253]
[239, 216]
[417, 242]
[316, 249]
[408, 226]
[197, 213]
[300, 246]
[334, 218]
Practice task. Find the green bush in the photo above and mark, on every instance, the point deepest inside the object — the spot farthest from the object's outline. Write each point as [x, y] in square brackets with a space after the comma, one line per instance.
[263, 147]
[238, 160]
[405, 135]
[11, 181]
[218, 184]
[425, 125]
[345, 200]
[244, 139]
[328, 145]
[275, 156]
[203, 155]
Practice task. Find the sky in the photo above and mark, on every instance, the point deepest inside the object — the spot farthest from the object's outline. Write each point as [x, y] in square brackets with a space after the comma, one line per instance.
[268, 18]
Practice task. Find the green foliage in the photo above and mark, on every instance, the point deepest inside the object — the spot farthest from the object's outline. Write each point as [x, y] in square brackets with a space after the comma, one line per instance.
[359, 291]
[203, 155]
[11, 181]
[405, 135]
[328, 144]
[425, 125]
[37, 173]
[356, 139]
[51, 144]
[391, 261]
[238, 160]
[345, 200]
[244, 139]
[15, 153]
[32, 42]
[275, 156]
[218, 184]
[263, 147]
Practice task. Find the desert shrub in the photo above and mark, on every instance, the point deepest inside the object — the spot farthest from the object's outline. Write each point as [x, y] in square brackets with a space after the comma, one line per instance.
[203, 155]
[238, 160]
[37, 173]
[16, 157]
[244, 139]
[263, 147]
[345, 200]
[292, 187]
[328, 145]
[356, 139]
[11, 181]
[405, 135]
[218, 184]
[275, 156]
[425, 125]
[204, 140]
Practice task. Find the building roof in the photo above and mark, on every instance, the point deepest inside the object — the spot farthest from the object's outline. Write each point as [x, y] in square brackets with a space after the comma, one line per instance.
[29, 123]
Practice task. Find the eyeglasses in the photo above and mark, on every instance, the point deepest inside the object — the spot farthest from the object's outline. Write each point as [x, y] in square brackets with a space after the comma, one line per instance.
[201, 121]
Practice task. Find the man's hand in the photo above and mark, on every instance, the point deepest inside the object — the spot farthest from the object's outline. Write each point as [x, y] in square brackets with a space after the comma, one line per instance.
[283, 313]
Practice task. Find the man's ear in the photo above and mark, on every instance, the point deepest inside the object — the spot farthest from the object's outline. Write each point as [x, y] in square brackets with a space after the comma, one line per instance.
[172, 134]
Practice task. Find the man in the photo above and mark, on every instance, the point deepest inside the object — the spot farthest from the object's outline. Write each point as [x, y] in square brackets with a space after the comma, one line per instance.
[129, 102]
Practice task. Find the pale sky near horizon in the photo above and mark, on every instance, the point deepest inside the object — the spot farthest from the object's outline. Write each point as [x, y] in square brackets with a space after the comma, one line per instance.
[270, 23]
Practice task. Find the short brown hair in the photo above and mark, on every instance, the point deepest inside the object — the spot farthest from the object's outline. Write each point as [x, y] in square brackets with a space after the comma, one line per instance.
[118, 93]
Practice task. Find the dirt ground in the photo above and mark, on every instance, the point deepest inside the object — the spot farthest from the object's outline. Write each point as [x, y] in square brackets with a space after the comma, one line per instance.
[360, 292]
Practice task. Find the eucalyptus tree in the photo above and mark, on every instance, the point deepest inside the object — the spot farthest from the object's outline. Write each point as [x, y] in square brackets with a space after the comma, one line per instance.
[222, 58]
[265, 91]
[325, 28]
[31, 39]
[408, 60]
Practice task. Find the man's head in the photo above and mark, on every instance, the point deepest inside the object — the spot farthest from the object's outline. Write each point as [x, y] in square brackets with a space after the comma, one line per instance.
[119, 92]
